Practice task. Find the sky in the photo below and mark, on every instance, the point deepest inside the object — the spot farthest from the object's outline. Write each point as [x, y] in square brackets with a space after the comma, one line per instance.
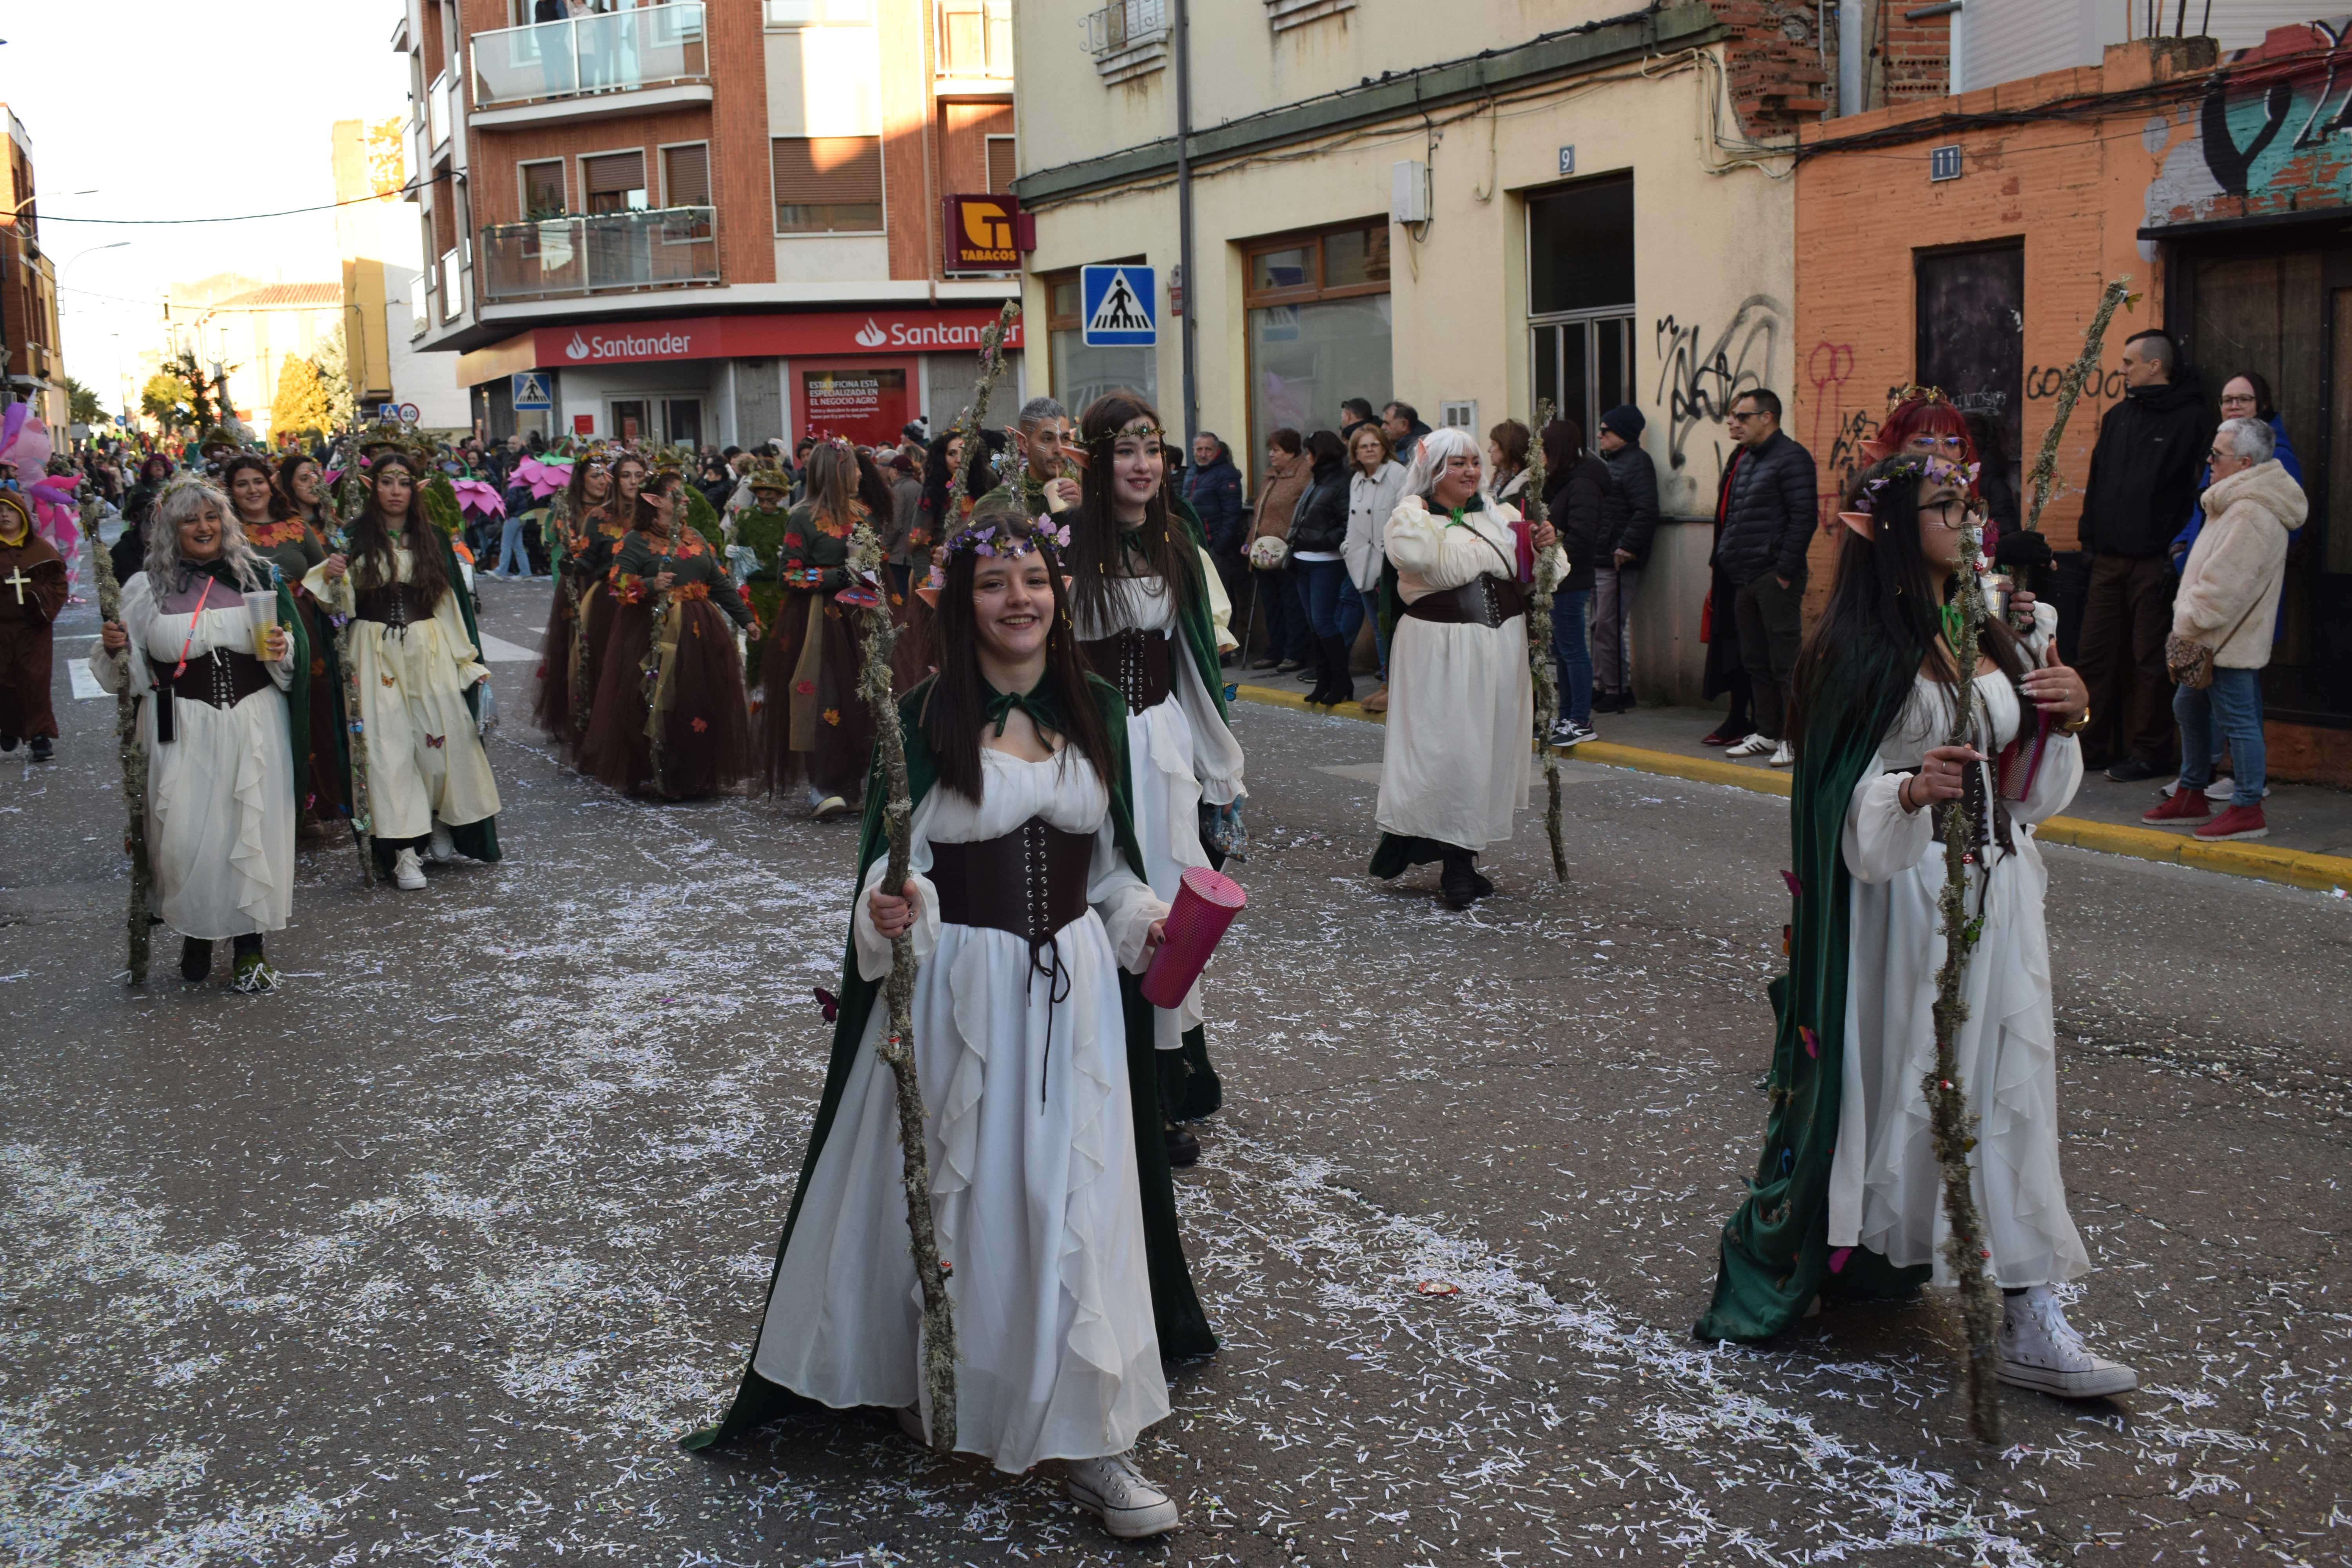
[172, 110]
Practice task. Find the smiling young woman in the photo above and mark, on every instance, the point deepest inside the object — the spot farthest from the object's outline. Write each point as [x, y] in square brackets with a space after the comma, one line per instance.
[1050, 1187]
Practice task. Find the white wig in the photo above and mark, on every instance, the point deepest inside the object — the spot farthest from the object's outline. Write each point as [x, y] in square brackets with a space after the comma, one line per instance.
[1428, 462]
[181, 501]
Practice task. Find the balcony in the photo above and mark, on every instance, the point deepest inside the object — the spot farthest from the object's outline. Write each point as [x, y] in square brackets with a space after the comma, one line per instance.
[438, 107]
[975, 40]
[420, 319]
[453, 287]
[600, 253]
[1127, 39]
[563, 68]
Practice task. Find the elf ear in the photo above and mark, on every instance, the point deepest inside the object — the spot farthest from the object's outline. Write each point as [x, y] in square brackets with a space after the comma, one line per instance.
[1877, 451]
[930, 595]
[1859, 521]
[1069, 585]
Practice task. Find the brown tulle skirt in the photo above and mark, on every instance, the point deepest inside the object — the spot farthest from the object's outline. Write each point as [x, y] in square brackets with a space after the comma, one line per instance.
[916, 653]
[323, 790]
[814, 726]
[550, 707]
[706, 734]
[594, 629]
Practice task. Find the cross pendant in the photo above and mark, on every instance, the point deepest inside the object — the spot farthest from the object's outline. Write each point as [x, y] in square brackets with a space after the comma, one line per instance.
[18, 580]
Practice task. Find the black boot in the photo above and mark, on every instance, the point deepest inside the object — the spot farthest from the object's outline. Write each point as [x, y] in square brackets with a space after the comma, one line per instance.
[1457, 884]
[195, 959]
[1320, 656]
[1183, 1149]
[1342, 688]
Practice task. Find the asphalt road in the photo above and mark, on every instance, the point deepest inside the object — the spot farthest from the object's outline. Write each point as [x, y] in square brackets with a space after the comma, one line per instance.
[433, 1256]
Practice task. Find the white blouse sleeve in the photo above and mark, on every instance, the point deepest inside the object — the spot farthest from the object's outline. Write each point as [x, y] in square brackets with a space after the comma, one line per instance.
[1881, 839]
[1217, 754]
[1123, 899]
[872, 947]
[335, 596]
[2055, 785]
[137, 613]
[1221, 606]
[1423, 546]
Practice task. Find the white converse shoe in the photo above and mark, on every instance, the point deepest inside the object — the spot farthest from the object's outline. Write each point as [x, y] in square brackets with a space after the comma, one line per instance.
[407, 874]
[441, 847]
[828, 808]
[1130, 1507]
[1784, 755]
[1756, 745]
[2040, 1349]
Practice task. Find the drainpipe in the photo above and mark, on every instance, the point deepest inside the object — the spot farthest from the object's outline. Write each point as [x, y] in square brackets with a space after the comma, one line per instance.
[1184, 216]
[1852, 65]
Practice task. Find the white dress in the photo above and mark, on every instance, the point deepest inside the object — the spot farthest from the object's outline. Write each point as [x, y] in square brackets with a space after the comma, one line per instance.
[1885, 1189]
[220, 796]
[1180, 752]
[1034, 1185]
[425, 757]
[1460, 748]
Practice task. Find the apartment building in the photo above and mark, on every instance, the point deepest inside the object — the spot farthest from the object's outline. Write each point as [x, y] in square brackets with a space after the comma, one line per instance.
[716, 221]
[29, 286]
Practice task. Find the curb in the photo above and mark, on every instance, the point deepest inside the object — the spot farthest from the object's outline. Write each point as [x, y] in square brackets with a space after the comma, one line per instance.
[2294, 867]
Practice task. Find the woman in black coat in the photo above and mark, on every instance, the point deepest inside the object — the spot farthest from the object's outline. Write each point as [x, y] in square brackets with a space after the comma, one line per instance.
[1317, 531]
[1576, 492]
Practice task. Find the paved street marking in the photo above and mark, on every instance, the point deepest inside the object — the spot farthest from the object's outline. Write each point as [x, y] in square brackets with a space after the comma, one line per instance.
[497, 650]
[85, 684]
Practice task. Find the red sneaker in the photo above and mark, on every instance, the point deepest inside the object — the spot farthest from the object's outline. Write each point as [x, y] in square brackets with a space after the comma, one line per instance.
[2238, 822]
[2180, 810]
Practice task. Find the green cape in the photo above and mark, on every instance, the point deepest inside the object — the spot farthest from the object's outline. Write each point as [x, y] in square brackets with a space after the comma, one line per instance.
[1184, 1327]
[1776, 1255]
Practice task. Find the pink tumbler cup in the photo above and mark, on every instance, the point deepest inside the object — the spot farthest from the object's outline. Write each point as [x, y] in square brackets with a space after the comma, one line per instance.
[1206, 903]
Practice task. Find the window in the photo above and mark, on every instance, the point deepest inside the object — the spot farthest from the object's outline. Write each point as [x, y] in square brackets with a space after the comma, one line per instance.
[1318, 327]
[975, 39]
[828, 184]
[1081, 373]
[542, 190]
[615, 181]
[1001, 166]
[819, 12]
[686, 175]
[1581, 297]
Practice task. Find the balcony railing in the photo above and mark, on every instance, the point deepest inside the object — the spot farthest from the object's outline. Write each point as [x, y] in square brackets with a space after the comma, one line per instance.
[1125, 25]
[453, 287]
[975, 39]
[436, 111]
[601, 252]
[656, 46]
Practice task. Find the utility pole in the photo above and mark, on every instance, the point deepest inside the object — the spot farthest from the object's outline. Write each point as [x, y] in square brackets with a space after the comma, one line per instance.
[1184, 219]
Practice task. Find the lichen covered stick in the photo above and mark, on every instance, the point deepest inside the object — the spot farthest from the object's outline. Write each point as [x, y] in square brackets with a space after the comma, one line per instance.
[2044, 477]
[1953, 1122]
[1539, 658]
[362, 825]
[137, 927]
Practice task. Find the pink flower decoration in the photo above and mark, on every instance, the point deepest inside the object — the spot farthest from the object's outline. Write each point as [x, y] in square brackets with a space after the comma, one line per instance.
[543, 477]
[1838, 1257]
[1795, 889]
[479, 497]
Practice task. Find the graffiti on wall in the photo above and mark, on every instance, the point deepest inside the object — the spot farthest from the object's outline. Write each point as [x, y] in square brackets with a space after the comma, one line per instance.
[2273, 132]
[1698, 384]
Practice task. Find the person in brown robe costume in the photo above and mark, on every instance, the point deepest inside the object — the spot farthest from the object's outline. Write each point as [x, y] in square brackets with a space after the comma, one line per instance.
[32, 592]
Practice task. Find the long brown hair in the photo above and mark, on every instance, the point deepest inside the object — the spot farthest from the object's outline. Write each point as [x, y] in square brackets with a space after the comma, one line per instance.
[373, 565]
[575, 488]
[1099, 548]
[283, 483]
[956, 710]
[832, 473]
[643, 511]
[279, 510]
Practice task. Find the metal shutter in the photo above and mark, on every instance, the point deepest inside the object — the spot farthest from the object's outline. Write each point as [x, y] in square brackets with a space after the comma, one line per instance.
[686, 176]
[543, 189]
[613, 173]
[1000, 168]
[828, 171]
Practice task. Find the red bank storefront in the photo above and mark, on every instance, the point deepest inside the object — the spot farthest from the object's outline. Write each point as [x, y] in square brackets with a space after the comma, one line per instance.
[744, 379]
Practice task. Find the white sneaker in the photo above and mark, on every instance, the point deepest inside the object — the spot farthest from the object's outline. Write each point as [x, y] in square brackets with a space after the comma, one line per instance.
[1783, 756]
[1130, 1507]
[407, 874]
[442, 848]
[831, 806]
[2040, 1349]
[1756, 745]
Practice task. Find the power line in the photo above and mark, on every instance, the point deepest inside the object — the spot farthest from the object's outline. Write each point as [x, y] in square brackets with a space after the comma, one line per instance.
[244, 217]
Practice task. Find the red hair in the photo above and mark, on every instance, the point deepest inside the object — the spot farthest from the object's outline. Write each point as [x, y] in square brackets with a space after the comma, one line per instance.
[1924, 415]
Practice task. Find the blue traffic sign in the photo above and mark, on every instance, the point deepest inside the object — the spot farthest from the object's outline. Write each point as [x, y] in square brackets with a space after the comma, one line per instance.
[531, 391]
[1120, 304]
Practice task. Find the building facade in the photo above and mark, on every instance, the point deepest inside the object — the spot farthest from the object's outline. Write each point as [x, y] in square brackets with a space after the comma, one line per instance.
[1464, 218]
[28, 287]
[1963, 242]
[712, 221]
[383, 270]
[250, 333]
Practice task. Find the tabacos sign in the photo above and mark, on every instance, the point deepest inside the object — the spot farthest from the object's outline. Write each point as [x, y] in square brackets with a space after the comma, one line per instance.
[780, 336]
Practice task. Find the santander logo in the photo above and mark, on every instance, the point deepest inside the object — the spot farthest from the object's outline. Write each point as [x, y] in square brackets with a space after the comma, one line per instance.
[871, 336]
[577, 348]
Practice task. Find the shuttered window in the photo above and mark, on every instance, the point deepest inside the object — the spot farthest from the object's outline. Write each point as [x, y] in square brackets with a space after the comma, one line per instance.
[1000, 164]
[828, 184]
[612, 178]
[543, 189]
[686, 175]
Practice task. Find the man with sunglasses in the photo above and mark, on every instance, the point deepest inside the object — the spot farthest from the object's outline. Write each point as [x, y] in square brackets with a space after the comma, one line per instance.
[1769, 511]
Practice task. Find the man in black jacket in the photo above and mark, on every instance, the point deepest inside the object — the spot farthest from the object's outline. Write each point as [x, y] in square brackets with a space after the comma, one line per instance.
[2143, 486]
[1768, 516]
[1629, 516]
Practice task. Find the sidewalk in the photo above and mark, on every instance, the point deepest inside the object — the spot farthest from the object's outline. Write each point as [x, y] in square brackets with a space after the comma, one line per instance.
[2310, 842]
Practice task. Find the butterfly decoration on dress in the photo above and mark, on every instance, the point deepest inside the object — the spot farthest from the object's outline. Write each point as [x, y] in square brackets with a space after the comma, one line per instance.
[829, 1003]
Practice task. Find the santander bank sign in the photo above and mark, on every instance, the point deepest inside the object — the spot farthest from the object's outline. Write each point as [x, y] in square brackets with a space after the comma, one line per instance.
[801, 334]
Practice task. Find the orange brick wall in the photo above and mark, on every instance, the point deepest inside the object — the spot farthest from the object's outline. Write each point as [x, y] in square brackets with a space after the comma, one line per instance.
[1917, 59]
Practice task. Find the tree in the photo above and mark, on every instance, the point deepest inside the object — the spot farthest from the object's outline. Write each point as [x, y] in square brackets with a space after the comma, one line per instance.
[182, 367]
[333, 364]
[168, 400]
[301, 405]
[82, 404]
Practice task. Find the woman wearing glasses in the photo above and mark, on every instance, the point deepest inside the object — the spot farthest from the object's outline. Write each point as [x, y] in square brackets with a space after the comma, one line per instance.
[1846, 1199]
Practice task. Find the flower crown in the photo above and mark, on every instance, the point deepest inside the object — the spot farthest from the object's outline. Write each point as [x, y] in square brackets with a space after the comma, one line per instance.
[1864, 516]
[1001, 540]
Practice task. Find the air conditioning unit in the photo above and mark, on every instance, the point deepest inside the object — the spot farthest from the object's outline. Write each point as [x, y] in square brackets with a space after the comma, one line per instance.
[1409, 193]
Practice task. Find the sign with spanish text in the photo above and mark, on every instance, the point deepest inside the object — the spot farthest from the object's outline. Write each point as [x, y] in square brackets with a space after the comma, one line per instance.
[1119, 307]
[864, 403]
[782, 336]
[981, 234]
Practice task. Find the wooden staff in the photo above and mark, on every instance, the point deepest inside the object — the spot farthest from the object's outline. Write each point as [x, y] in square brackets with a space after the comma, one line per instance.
[973, 421]
[137, 925]
[1953, 1121]
[896, 1047]
[1539, 654]
[354, 497]
[2044, 477]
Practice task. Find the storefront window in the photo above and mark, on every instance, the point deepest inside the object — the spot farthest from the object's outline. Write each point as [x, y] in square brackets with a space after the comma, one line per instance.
[1081, 373]
[1320, 328]
[864, 403]
[1581, 297]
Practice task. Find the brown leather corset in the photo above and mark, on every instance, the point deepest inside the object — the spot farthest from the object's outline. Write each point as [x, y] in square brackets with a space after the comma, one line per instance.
[1134, 661]
[1031, 881]
[222, 678]
[1485, 600]
[395, 605]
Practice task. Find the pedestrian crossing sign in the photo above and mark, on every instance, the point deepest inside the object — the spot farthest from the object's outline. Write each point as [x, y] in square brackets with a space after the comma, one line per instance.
[530, 390]
[1121, 307]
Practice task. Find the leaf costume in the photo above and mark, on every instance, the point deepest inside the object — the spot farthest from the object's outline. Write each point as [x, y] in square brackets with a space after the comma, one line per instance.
[670, 660]
[814, 726]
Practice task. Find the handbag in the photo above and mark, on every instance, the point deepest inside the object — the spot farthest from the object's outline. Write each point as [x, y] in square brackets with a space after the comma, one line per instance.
[1270, 553]
[2190, 662]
